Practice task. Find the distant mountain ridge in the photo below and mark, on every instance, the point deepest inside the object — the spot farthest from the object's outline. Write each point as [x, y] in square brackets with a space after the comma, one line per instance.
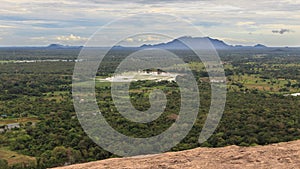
[59, 46]
[199, 43]
[176, 44]
[193, 41]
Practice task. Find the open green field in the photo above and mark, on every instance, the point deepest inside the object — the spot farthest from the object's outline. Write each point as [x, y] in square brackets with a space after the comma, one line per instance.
[56, 95]
[271, 85]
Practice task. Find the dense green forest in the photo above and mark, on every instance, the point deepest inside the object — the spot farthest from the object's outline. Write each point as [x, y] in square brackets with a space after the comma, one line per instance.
[37, 95]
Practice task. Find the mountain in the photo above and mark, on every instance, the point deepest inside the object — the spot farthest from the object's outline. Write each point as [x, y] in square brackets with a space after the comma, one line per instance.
[275, 156]
[59, 46]
[176, 44]
[202, 43]
[55, 46]
[260, 46]
[194, 42]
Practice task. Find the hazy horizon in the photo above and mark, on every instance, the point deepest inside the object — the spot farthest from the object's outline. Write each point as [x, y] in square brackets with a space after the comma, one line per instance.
[68, 45]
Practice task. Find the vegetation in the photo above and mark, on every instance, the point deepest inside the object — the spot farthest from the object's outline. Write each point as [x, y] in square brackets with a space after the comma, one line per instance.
[38, 96]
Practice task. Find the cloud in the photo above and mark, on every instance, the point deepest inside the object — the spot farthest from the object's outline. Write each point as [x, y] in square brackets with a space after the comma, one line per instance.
[71, 37]
[38, 38]
[282, 31]
[236, 41]
[6, 26]
[147, 38]
[207, 23]
[245, 23]
[139, 1]
[31, 19]
[144, 39]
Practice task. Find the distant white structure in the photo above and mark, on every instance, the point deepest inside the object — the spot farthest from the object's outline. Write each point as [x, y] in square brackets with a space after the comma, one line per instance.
[142, 75]
[217, 80]
[12, 126]
[295, 94]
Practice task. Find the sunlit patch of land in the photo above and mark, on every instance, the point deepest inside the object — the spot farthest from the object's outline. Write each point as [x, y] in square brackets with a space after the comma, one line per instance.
[136, 76]
[5, 121]
[15, 158]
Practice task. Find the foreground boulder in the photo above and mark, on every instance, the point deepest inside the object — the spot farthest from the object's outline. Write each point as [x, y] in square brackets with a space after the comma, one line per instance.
[275, 156]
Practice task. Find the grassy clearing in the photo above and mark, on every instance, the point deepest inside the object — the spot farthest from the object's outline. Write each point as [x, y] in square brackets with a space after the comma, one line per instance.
[6, 61]
[14, 158]
[255, 82]
[18, 120]
[98, 83]
[57, 95]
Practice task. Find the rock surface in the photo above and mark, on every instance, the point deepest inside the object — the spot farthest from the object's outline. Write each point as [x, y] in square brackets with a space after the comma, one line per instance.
[275, 156]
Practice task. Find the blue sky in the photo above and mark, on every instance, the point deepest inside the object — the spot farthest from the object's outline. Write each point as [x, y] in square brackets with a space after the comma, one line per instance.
[72, 22]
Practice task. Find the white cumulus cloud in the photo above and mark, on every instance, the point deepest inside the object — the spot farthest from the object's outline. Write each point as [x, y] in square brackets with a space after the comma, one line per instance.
[245, 23]
[71, 37]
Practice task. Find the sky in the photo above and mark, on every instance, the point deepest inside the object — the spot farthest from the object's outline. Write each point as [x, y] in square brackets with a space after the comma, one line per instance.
[73, 22]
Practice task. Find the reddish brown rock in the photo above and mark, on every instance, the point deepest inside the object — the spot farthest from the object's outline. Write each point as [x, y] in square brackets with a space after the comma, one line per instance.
[275, 156]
